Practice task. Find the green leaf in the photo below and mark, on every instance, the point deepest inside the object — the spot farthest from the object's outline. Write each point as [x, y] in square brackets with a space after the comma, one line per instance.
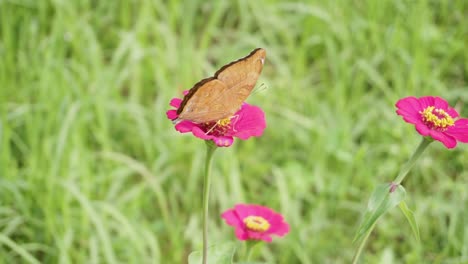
[380, 202]
[411, 219]
[217, 254]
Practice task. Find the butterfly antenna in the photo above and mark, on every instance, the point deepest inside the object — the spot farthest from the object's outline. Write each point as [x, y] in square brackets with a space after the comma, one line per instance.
[237, 119]
[260, 88]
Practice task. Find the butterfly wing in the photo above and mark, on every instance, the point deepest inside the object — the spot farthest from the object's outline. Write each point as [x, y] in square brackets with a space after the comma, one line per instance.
[197, 105]
[221, 96]
[241, 76]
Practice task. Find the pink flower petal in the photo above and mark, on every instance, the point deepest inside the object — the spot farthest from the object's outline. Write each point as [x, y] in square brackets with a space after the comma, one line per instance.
[175, 102]
[452, 112]
[410, 118]
[283, 230]
[241, 234]
[460, 130]
[409, 108]
[250, 122]
[185, 126]
[423, 129]
[223, 141]
[231, 218]
[243, 210]
[440, 103]
[448, 141]
[426, 101]
[462, 123]
[172, 114]
[409, 104]
[199, 133]
[280, 229]
[259, 236]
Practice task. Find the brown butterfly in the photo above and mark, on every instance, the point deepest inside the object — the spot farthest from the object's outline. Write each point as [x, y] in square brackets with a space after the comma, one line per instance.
[222, 95]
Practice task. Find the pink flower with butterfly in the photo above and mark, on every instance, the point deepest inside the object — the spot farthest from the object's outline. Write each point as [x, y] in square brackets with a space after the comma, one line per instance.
[215, 109]
[255, 222]
[248, 122]
[434, 118]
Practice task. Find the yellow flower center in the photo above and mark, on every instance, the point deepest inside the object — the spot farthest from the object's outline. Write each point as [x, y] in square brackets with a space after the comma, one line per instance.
[256, 223]
[436, 118]
[224, 122]
[219, 127]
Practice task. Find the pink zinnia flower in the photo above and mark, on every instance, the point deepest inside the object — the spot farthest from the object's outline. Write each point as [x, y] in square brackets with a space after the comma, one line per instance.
[433, 117]
[247, 122]
[255, 222]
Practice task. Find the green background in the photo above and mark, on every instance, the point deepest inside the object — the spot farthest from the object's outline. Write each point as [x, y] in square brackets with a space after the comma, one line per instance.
[91, 171]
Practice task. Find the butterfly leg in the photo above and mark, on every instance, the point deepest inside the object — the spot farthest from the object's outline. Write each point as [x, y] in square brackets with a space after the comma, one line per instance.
[236, 117]
[212, 128]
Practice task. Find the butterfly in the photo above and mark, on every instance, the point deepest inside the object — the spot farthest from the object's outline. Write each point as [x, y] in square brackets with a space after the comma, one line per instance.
[221, 96]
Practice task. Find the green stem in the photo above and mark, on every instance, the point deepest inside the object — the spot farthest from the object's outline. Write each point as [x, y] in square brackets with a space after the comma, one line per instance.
[210, 148]
[361, 245]
[417, 153]
[252, 246]
[401, 176]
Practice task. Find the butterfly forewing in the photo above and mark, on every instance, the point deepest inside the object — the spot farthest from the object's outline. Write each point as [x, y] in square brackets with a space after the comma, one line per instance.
[221, 96]
[244, 71]
[197, 109]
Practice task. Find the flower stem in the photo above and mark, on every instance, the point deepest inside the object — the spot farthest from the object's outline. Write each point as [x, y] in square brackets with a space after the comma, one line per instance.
[417, 153]
[361, 245]
[401, 176]
[210, 148]
[252, 246]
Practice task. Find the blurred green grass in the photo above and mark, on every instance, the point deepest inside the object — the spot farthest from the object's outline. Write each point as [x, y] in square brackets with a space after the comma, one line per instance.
[91, 171]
